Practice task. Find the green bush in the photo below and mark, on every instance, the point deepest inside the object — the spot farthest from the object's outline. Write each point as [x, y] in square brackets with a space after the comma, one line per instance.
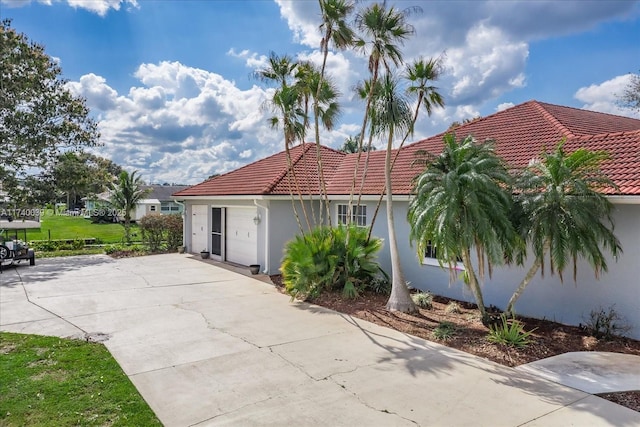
[153, 230]
[509, 332]
[423, 299]
[173, 227]
[444, 331]
[452, 308]
[330, 258]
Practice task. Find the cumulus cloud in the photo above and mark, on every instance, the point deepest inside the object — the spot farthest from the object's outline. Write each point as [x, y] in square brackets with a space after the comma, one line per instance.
[99, 7]
[603, 97]
[504, 106]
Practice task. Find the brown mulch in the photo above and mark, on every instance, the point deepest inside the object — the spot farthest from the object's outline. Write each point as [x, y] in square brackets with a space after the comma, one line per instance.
[548, 338]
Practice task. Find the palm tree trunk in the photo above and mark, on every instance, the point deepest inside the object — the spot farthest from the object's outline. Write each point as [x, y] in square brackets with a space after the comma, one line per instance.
[323, 183]
[400, 299]
[473, 283]
[291, 176]
[525, 281]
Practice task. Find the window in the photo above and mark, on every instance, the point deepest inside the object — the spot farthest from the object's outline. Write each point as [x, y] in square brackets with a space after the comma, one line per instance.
[431, 256]
[358, 216]
[169, 208]
[152, 208]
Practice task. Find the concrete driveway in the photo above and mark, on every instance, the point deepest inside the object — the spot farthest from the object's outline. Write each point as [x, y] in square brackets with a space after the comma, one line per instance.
[207, 346]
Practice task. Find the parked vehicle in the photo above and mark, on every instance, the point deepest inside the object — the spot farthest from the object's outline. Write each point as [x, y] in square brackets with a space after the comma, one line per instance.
[14, 251]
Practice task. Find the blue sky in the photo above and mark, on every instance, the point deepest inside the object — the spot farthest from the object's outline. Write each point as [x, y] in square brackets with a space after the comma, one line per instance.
[169, 81]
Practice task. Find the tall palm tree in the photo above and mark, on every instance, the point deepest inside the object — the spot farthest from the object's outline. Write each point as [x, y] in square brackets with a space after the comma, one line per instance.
[126, 193]
[462, 201]
[420, 74]
[564, 215]
[383, 29]
[336, 31]
[326, 110]
[391, 113]
[286, 103]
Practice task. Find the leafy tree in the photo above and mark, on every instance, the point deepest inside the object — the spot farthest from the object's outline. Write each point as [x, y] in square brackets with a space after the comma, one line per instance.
[125, 194]
[563, 214]
[461, 201]
[38, 114]
[630, 98]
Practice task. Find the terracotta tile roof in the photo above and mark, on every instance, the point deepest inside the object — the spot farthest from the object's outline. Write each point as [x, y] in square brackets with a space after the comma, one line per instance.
[270, 175]
[521, 133]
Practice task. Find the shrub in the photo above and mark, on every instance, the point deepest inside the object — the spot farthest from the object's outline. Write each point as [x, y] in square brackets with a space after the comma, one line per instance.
[423, 299]
[330, 258]
[380, 284]
[606, 324]
[153, 230]
[509, 332]
[452, 308]
[173, 227]
[444, 331]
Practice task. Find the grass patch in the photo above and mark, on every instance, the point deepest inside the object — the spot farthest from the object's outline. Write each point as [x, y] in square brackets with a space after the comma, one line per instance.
[58, 227]
[49, 380]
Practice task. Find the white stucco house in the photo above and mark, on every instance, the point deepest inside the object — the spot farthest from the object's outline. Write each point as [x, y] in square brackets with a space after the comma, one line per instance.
[245, 216]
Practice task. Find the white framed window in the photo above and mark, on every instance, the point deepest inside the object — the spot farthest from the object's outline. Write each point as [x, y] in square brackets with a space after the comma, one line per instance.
[431, 257]
[152, 208]
[358, 215]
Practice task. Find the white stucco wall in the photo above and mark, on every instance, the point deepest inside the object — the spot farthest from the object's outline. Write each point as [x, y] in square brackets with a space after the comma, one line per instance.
[567, 302]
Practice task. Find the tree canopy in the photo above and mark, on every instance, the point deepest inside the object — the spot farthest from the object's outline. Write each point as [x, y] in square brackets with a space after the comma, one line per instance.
[39, 116]
[630, 98]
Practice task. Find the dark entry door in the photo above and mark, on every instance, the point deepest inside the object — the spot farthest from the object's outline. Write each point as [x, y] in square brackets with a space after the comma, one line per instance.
[216, 232]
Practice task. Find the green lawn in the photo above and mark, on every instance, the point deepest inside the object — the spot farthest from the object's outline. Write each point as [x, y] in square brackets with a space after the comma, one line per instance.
[48, 381]
[72, 227]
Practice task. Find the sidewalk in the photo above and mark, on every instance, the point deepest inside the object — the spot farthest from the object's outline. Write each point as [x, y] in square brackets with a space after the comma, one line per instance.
[207, 346]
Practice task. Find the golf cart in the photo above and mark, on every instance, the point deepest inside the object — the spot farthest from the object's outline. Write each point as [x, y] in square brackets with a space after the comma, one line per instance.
[12, 249]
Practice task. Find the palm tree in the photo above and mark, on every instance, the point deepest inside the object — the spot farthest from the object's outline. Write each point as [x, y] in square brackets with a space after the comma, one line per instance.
[391, 113]
[126, 193]
[420, 74]
[462, 201]
[564, 215]
[326, 110]
[286, 103]
[337, 32]
[384, 30]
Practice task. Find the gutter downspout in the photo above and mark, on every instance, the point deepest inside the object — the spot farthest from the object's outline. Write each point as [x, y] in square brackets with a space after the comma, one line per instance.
[184, 223]
[266, 235]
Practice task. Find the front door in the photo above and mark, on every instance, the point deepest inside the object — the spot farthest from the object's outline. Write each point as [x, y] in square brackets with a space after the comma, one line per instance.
[216, 232]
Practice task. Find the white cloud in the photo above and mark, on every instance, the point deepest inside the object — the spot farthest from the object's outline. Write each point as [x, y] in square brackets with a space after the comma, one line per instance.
[303, 20]
[504, 106]
[99, 7]
[603, 97]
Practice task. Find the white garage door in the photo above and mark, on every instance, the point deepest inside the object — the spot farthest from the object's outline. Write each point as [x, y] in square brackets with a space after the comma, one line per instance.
[199, 227]
[241, 236]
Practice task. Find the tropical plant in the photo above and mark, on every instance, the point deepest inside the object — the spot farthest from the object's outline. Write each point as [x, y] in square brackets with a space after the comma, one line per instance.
[444, 331]
[288, 113]
[508, 331]
[453, 308]
[337, 32]
[125, 194]
[173, 227]
[390, 112]
[462, 201]
[420, 75]
[561, 213]
[326, 259]
[383, 30]
[423, 299]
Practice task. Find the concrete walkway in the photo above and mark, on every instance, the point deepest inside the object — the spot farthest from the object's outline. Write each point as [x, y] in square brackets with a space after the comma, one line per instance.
[207, 346]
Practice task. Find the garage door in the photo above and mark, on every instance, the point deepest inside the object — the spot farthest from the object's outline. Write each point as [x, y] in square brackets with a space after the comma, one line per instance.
[199, 228]
[241, 236]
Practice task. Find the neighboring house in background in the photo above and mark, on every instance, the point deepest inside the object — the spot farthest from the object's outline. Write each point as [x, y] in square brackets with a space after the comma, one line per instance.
[245, 216]
[157, 200]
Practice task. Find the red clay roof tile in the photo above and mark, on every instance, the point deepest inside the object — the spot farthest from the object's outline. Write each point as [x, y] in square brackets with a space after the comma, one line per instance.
[521, 133]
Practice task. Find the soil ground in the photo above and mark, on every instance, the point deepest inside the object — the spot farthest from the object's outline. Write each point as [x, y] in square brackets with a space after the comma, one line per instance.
[470, 335]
